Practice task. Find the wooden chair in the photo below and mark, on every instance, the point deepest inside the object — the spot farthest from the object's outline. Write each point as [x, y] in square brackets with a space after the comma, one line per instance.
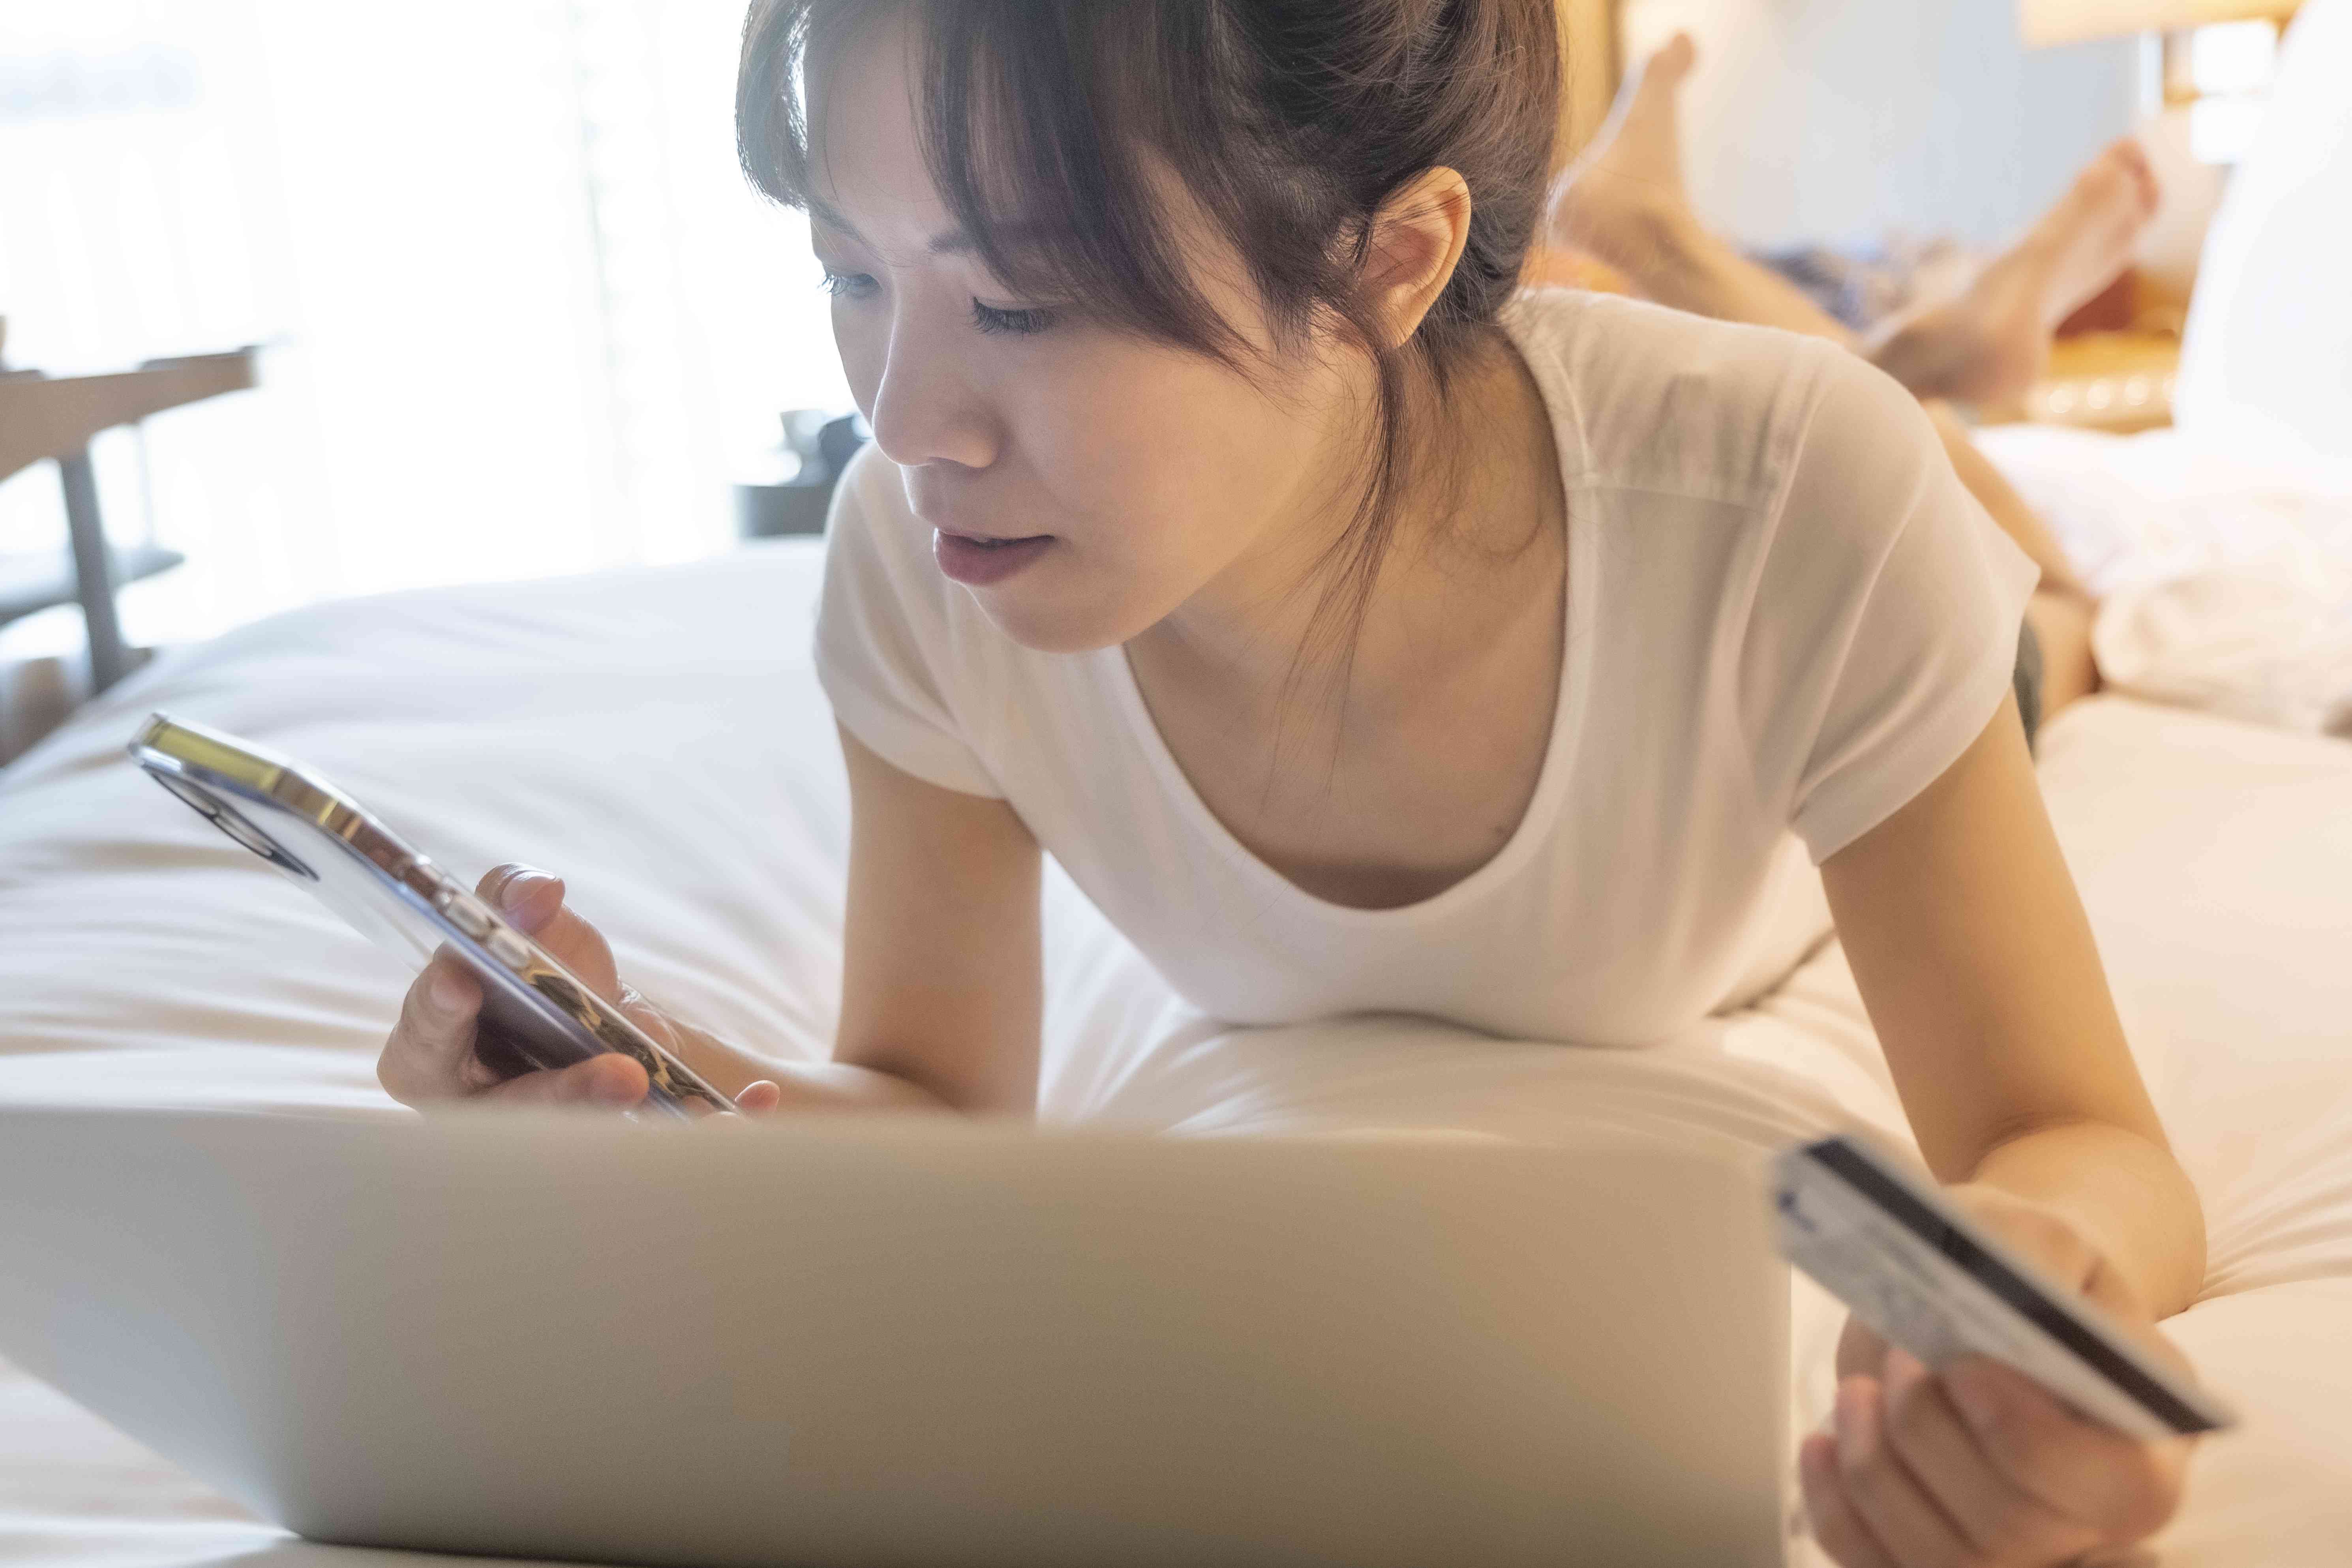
[54, 418]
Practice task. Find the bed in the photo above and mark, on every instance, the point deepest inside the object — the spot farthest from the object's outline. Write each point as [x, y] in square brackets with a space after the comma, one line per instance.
[143, 960]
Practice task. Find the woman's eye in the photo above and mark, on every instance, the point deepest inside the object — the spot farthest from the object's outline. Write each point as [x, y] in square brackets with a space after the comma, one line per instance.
[854, 285]
[994, 318]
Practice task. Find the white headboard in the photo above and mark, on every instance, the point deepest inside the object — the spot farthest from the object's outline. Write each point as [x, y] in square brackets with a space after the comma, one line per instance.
[2266, 366]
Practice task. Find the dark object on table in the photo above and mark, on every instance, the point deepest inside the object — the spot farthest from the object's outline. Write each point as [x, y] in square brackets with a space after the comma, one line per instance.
[797, 504]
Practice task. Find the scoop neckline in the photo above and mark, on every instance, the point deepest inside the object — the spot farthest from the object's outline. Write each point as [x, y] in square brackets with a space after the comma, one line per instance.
[1551, 781]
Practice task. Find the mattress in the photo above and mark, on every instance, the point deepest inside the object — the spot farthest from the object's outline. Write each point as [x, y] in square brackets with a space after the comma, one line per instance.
[658, 737]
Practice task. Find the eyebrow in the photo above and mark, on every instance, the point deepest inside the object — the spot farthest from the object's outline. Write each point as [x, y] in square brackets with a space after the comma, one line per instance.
[954, 242]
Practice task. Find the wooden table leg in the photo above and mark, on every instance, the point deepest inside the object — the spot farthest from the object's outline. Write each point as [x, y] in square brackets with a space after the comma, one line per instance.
[93, 571]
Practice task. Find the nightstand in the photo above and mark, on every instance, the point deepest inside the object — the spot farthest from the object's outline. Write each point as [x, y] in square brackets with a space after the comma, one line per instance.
[2116, 382]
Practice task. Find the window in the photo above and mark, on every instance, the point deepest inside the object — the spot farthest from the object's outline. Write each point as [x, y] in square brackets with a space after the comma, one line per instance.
[526, 315]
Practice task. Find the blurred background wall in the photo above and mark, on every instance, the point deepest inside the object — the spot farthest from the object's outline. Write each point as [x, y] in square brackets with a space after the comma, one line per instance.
[529, 318]
[1832, 121]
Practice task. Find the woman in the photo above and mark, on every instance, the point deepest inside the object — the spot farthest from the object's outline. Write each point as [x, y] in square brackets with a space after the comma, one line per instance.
[1361, 637]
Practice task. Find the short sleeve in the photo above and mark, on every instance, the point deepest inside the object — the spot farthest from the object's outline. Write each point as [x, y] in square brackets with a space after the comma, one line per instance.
[1884, 627]
[885, 634]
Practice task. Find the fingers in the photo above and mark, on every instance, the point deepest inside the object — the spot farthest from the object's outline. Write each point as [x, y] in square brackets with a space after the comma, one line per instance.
[753, 1103]
[1999, 1520]
[1909, 1479]
[1879, 1488]
[526, 895]
[430, 1053]
[2117, 1485]
[435, 1050]
[435, 1053]
[1836, 1525]
[1978, 1464]
[1861, 1350]
[610, 1079]
[533, 901]
[648, 1017]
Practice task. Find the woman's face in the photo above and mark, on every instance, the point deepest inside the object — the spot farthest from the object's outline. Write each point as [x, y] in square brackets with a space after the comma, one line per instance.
[1139, 474]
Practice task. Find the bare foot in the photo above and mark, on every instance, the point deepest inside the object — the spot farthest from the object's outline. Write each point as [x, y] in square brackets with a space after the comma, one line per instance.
[1629, 180]
[1989, 344]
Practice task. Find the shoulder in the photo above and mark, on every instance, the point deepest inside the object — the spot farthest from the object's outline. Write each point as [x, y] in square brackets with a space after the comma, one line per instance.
[1648, 399]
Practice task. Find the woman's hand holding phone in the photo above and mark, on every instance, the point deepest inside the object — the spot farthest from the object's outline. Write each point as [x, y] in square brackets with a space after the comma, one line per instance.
[432, 1056]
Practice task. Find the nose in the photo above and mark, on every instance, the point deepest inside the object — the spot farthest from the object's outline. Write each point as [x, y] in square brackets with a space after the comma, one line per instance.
[925, 409]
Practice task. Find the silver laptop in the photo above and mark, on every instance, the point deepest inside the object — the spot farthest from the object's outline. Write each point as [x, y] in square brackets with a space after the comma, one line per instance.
[914, 1343]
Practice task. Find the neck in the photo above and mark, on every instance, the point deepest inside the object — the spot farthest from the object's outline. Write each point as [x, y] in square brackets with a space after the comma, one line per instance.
[1475, 542]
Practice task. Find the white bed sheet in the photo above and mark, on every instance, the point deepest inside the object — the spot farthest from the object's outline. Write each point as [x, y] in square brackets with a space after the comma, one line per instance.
[2135, 508]
[144, 960]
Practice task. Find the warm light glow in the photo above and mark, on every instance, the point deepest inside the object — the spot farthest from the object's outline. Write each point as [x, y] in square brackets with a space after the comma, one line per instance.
[2070, 21]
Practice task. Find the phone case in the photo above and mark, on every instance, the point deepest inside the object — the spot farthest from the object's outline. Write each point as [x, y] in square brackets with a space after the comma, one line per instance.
[534, 1009]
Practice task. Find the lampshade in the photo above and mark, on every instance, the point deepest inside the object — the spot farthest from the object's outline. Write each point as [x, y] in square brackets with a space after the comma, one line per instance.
[2070, 21]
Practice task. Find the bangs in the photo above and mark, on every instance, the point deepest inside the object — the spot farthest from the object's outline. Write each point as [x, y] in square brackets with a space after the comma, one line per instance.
[1063, 138]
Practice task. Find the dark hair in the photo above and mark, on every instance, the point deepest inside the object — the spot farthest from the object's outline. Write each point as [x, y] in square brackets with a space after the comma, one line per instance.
[1291, 121]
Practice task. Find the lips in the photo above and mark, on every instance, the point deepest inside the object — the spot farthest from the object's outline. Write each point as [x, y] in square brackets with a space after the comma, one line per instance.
[978, 560]
[990, 540]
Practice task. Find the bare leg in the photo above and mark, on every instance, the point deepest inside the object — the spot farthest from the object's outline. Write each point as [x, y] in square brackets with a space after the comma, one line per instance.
[1624, 202]
[2061, 609]
[1988, 343]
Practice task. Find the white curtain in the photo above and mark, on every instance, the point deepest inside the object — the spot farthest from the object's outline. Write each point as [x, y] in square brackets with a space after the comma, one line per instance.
[526, 317]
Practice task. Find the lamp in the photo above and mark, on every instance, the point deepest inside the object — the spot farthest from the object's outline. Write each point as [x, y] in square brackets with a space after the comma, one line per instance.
[2205, 64]
[2045, 22]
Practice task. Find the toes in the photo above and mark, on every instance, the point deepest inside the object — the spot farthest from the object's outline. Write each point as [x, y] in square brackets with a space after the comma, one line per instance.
[2151, 185]
[1673, 61]
[2130, 155]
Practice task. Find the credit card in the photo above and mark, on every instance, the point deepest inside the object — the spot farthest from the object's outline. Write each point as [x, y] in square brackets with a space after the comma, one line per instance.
[1909, 1263]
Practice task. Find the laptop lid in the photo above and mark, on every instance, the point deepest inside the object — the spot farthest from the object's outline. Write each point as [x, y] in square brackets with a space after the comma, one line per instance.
[860, 1341]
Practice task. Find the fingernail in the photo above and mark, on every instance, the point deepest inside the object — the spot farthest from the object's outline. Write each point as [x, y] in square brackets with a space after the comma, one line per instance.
[617, 1091]
[519, 887]
[449, 991]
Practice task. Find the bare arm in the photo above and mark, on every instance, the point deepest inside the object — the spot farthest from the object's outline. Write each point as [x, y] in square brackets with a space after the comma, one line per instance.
[942, 983]
[1978, 965]
[942, 989]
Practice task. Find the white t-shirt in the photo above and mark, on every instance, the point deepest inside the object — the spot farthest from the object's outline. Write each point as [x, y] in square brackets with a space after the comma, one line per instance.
[1785, 618]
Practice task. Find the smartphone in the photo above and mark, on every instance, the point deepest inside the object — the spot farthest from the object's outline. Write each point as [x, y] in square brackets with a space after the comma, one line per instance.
[535, 1012]
[1913, 1266]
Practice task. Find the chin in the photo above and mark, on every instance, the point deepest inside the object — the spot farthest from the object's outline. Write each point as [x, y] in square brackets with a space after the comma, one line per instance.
[1045, 620]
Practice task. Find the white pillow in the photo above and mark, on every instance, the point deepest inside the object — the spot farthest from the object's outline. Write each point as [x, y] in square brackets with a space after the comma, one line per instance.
[2266, 369]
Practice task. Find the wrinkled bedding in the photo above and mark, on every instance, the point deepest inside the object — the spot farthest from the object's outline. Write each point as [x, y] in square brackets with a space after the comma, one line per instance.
[658, 737]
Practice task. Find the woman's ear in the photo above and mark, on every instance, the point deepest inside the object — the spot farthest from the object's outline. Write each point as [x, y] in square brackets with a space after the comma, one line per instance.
[1416, 241]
